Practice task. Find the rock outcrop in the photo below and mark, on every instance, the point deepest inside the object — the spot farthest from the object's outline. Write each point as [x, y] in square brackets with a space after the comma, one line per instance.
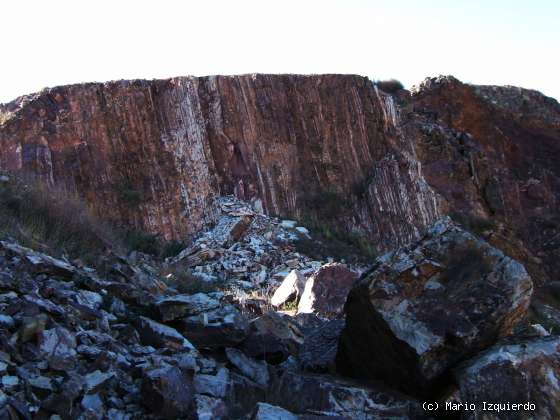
[492, 153]
[444, 315]
[423, 309]
[154, 154]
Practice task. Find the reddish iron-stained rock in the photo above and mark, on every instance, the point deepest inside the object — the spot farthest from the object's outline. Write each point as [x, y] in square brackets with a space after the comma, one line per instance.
[492, 153]
[154, 154]
[326, 291]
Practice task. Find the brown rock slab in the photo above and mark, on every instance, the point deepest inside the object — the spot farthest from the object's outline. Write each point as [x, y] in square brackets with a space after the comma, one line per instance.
[326, 291]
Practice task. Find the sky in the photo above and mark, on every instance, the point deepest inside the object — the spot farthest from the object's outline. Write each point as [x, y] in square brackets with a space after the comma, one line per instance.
[49, 43]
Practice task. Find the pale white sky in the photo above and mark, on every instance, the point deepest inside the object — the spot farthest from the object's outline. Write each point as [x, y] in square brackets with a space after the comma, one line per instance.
[48, 43]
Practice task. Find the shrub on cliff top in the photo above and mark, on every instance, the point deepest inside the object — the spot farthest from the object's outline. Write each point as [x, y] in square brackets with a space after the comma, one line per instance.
[389, 86]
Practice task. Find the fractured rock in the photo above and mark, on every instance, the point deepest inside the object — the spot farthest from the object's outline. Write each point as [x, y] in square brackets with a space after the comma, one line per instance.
[423, 309]
[273, 338]
[218, 328]
[264, 411]
[320, 394]
[326, 291]
[520, 372]
[159, 335]
[208, 408]
[253, 369]
[212, 385]
[178, 306]
[319, 349]
[58, 345]
[168, 392]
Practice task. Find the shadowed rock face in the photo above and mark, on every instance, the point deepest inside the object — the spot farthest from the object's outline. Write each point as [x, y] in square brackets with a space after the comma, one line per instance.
[153, 155]
[492, 152]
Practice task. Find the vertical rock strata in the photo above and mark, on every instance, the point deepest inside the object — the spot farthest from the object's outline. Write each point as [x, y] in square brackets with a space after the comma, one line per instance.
[154, 154]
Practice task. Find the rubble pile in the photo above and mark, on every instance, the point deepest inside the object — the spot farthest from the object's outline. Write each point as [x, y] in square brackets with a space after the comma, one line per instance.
[126, 345]
[250, 251]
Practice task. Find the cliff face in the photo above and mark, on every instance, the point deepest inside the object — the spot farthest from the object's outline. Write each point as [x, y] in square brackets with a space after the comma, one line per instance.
[492, 152]
[154, 155]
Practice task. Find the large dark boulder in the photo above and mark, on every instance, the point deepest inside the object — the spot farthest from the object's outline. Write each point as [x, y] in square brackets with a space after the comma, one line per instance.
[425, 308]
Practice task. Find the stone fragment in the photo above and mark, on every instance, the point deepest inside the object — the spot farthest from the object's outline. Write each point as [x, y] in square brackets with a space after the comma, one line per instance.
[222, 327]
[212, 385]
[319, 349]
[409, 335]
[264, 411]
[291, 289]
[159, 335]
[320, 394]
[273, 338]
[168, 392]
[96, 381]
[208, 408]
[288, 224]
[62, 403]
[253, 369]
[6, 321]
[10, 382]
[326, 291]
[58, 345]
[93, 406]
[42, 386]
[39, 262]
[179, 306]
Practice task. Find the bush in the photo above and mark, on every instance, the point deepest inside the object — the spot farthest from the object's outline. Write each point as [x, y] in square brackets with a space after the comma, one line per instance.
[147, 243]
[129, 194]
[337, 243]
[327, 204]
[474, 224]
[38, 217]
[389, 86]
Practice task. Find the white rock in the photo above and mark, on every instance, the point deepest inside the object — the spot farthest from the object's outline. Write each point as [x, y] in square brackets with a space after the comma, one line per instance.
[302, 230]
[264, 411]
[540, 330]
[289, 224]
[291, 288]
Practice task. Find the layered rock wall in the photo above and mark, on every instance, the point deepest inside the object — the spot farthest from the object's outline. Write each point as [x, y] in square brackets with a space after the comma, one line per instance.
[154, 155]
